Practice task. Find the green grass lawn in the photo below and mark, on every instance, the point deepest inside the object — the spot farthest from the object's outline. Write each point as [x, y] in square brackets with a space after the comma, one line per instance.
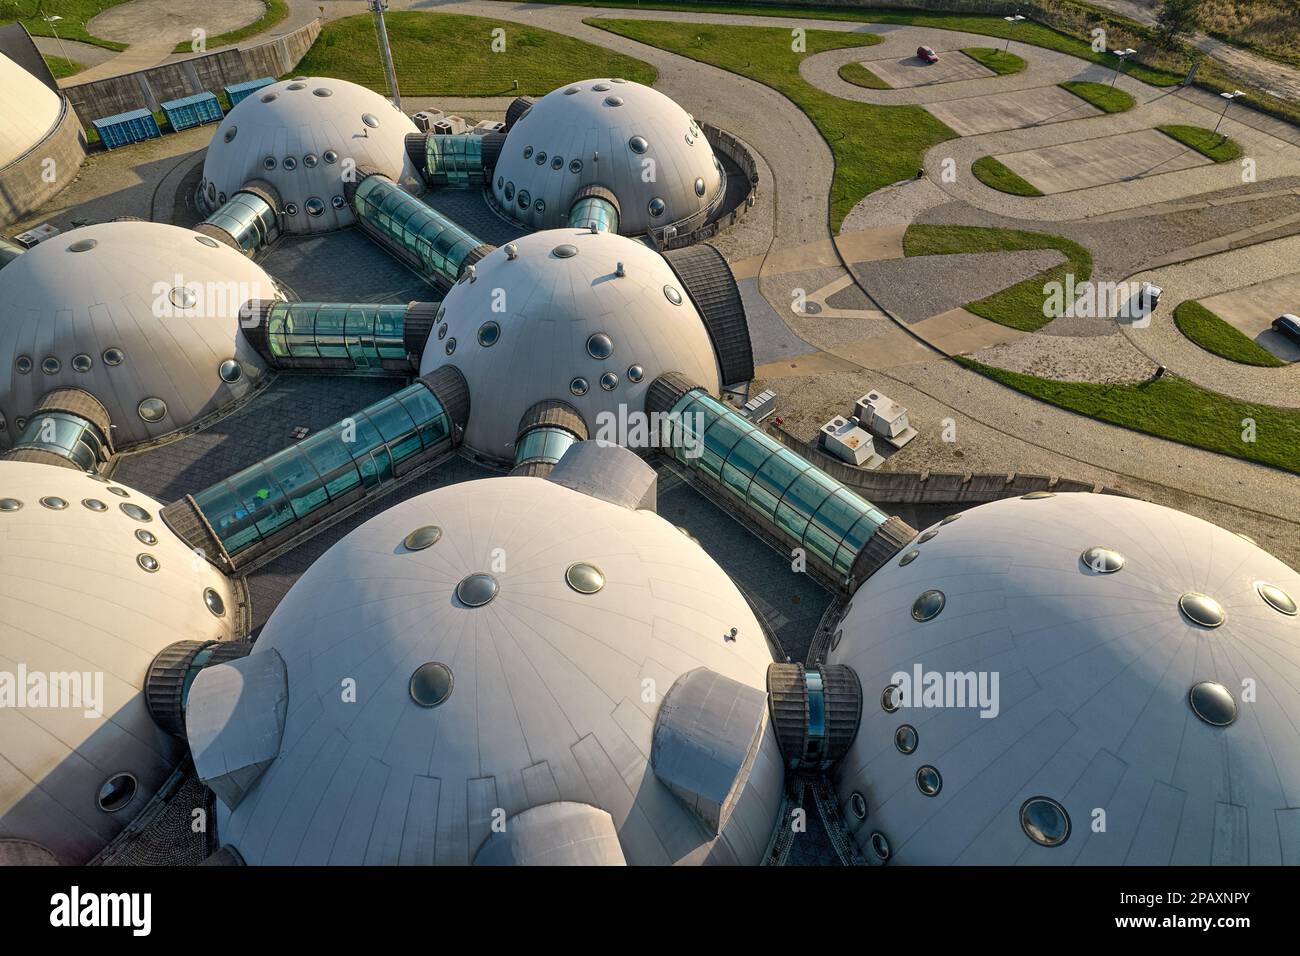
[1213, 145]
[446, 54]
[1020, 306]
[1171, 408]
[75, 13]
[873, 145]
[859, 75]
[276, 11]
[998, 61]
[997, 176]
[61, 67]
[1106, 98]
[1215, 335]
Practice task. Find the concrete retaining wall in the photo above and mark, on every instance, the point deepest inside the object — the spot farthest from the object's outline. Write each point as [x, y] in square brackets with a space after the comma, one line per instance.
[29, 181]
[146, 89]
[933, 487]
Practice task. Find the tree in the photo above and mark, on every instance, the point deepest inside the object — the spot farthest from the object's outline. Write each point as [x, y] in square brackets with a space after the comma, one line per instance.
[1176, 19]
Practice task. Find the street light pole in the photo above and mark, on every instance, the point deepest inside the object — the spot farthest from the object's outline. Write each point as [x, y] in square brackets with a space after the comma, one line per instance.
[51, 21]
[1227, 99]
[1119, 67]
[1011, 21]
[377, 7]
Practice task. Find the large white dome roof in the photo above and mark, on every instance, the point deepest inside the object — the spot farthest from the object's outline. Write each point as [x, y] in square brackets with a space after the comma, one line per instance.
[74, 598]
[547, 302]
[552, 694]
[626, 137]
[106, 309]
[29, 110]
[1096, 710]
[304, 136]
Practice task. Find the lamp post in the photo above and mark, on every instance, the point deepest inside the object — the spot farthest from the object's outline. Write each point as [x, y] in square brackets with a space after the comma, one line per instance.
[1119, 67]
[51, 20]
[377, 7]
[1011, 22]
[1227, 98]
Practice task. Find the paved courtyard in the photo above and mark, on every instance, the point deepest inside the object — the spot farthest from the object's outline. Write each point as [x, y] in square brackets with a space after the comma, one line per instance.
[911, 71]
[1099, 162]
[1251, 310]
[972, 115]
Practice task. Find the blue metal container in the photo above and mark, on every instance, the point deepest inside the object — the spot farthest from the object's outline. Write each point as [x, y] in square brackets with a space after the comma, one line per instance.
[193, 111]
[126, 128]
[238, 91]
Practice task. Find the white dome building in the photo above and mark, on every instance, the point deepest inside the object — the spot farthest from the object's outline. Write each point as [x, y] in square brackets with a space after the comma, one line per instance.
[303, 137]
[550, 317]
[511, 681]
[1146, 709]
[29, 111]
[92, 586]
[618, 136]
[142, 315]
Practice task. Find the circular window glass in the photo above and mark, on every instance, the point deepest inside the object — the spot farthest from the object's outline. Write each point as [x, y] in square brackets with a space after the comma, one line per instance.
[858, 805]
[208, 241]
[528, 152]
[268, 97]
[431, 684]
[609, 381]
[584, 578]
[564, 251]
[613, 101]
[635, 373]
[146, 536]
[330, 156]
[442, 331]
[289, 162]
[51, 365]
[889, 698]
[183, 297]
[269, 162]
[656, 207]
[113, 356]
[540, 160]
[573, 89]
[9, 505]
[370, 120]
[147, 562]
[83, 245]
[311, 160]
[338, 202]
[579, 386]
[450, 346]
[422, 537]
[525, 199]
[291, 209]
[1102, 560]
[1213, 703]
[905, 739]
[122, 493]
[1038, 495]
[297, 86]
[134, 511]
[94, 504]
[638, 144]
[152, 409]
[1201, 609]
[116, 792]
[488, 333]
[1045, 821]
[699, 188]
[54, 503]
[230, 371]
[575, 165]
[477, 590]
[928, 781]
[314, 206]
[322, 91]
[927, 606]
[540, 206]
[213, 602]
[557, 162]
[509, 191]
[23, 364]
[600, 345]
[880, 846]
[908, 558]
[672, 295]
[231, 133]
[1276, 598]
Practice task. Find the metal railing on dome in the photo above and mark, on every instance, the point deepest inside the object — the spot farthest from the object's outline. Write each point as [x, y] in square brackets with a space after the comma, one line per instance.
[421, 236]
[272, 501]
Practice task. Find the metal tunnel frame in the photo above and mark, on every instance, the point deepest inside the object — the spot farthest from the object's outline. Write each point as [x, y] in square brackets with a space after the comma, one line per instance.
[262, 507]
[69, 428]
[426, 240]
[347, 336]
[458, 160]
[546, 431]
[249, 221]
[595, 207]
[792, 499]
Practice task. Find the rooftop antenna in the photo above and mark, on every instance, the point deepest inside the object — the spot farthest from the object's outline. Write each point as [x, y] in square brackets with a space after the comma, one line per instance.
[377, 7]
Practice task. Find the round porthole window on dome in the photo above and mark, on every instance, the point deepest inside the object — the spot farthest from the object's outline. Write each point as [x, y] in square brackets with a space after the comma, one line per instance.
[1045, 821]
[269, 162]
[1102, 560]
[147, 562]
[540, 159]
[928, 605]
[1201, 609]
[656, 207]
[152, 410]
[231, 133]
[509, 191]
[370, 120]
[289, 163]
[134, 511]
[584, 578]
[525, 199]
[93, 504]
[858, 805]
[23, 364]
[291, 209]
[672, 295]
[700, 188]
[638, 144]
[423, 537]
[557, 162]
[431, 684]
[230, 371]
[609, 381]
[488, 334]
[575, 165]
[50, 365]
[635, 373]
[578, 386]
[564, 251]
[268, 97]
[928, 781]
[600, 345]
[613, 101]
[1276, 598]
[113, 356]
[540, 206]
[314, 206]
[600, 88]
[477, 590]
[311, 160]
[83, 245]
[889, 698]
[122, 493]
[54, 503]
[322, 91]
[183, 297]
[528, 152]
[450, 346]
[906, 739]
[1213, 703]
[908, 558]
[330, 156]
[928, 536]
[208, 241]
[573, 89]
[10, 505]
[212, 600]
[880, 846]
[1037, 495]
[338, 202]
[116, 792]
[145, 536]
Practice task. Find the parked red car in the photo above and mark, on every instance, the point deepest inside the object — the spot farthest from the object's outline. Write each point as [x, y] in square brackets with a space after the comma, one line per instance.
[927, 54]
